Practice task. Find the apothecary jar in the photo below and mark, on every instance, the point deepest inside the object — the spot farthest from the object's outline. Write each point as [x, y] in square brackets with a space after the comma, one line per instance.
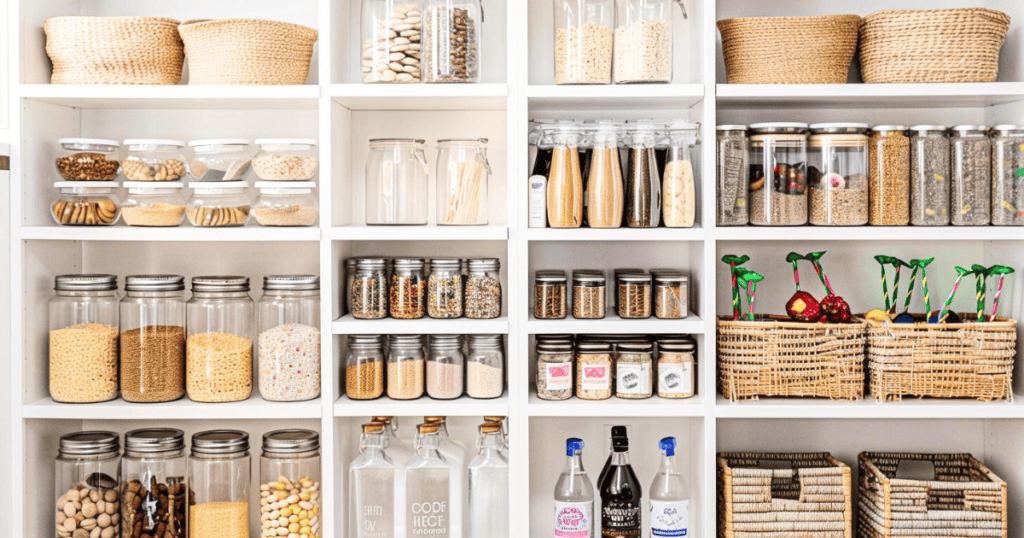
[84, 339]
[451, 41]
[396, 182]
[392, 37]
[643, 40]
[86, 477]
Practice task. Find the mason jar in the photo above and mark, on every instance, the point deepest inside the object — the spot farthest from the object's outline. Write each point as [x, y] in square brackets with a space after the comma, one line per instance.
[153, 338]
[290, 483]
[86, 478]
[731, 184]
[444, 289]
[83, 339]
[971, 165]
[368, 292]
[929, 175]
[594, 371]
[483, 289]
[219, 160]
[153, 204]
[445, 366]
[485, 366]
[671, 295]
[462, 176]
[392, 34]
[406, 367]
[678, 177]
[286, 159]
[408, 289]
[288, 346]
[838, 174]
[549, 294]
[218, 353]
[1008, 175]
[451, 40]
[154, 160]
[778, 152]
[218, 203]
[92, 203]
[396, 182]
[364, 367]
[554, 379]
[219, 478]
[643, 40]
[889, 176]
[153, 486]
[288, 204]
[583, 41]
[634, 379]
[643, 180]
[88, 159]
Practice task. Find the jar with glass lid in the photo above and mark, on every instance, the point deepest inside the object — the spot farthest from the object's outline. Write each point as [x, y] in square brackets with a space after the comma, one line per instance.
[368, 292]
[583, 41]
[594, 371]
[731, 182]
[549, 294]
[643, 182]
[643, 40]
[153, 160]
[554, 370]
[406, 367]
[671, 295]
[218, 354]
[462, 175]
[889, 175]
[451, 40]
[93, 203]
[971, 166]
[219, 478]
[676, 369]
[838, 174]
[86, 472]
[153, 204]
[605, 197]
[588, 295]
[153, 486]
[364, 367]
[485, 366]
[408, 295]
[778, 153]
[285, 204]
[444, 288]
[678, 185]
[445, 365]
[565, 179]
[929, 175]
[286, 159]
[396, 182]
[483, 289]
[218, 203]
[392, 32]
[634, 295]
[219, 160]
[88, 159]
[153, 338]
[288, 346]
[1008, 175]
[84, 332]
[634, 370]
[290, 481]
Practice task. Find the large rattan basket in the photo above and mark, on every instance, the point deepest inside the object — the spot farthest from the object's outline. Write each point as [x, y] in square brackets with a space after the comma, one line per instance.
[247, 51]
[940, 45]
[114, 50]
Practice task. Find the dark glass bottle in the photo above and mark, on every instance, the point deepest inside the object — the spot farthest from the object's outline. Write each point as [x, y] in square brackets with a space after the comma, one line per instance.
[620, 492]
[542, 164]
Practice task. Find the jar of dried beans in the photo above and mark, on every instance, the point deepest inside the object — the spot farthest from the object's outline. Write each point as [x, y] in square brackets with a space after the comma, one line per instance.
[218, 353]
[88, 159]
[671, 295]
[444, 289]
[838, 174]
[643, 180]
[153, 203]
[889, 175]
[633, 370]
[83, 339]
[676, 369]
[549, 290]
[86, 479]
[218, 203]
[583, 41]
[289, 204]
[368, 293]
[153, 338]
[289, 341]
[451, 40]
[588, 295]
[929, 175]
[445, 365]
[462, 172]
[219, 160]
[485, 366]
[392, 34]
[778, 153]
[643, 40]
[290, 482]
[731, 183]
[364, 367]
[154, 160]
[396, 182]
[594, 371]
[971, 165]
[407, 289]
[634, 295]
[219, 479]
[483, 289]
[554, 371]
[678, 186]
[91, 203]
[153, 486]
[406, 366]
[1008, 175]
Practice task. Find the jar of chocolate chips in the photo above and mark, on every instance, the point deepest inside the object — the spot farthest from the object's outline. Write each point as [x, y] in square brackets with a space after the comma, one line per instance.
[153, 486]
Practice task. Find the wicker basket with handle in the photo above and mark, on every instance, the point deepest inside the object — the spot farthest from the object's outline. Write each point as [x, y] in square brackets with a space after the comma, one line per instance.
[247, 51]
[114, 50]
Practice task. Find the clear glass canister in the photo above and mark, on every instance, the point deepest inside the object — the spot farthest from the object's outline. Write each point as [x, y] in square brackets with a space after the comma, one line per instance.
[634, 293]
[286, 159]
[406, 367]
[445, 367]
[290, 484]
[392, 37]
[153, 486]
[86, 204]
[368, 292]
[451, 40]
[83, 339]
[88, 159]
[219, 478]
[605, 197]
[219, 160]
[153, 338]
[889, 175]
[1008, 175]
[444, 289]
[971, 166]
[554, 371]
[583, 41]
[778, 151]
[731, 154]
[671, 295]
[86, 478]
[549, 295]
[678, 183]
[290, 204]
[565, 180]
[929, 175]
[218, 352]
[396, 182]
[588, 295]
[594, 371]
[154, 160]
[364, 367]
[218, 204]
[643, 181]
[408, 289]
[633, 370]
[643, 40]
[483, 289]
[288, 346]
[485, 366]
[838, 174]
[462, 175]
[676, 371]
[153, 204]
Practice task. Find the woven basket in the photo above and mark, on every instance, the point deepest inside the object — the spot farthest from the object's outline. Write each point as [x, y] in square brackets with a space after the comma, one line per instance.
[965, 499]
[774, 356]
[812, 498]
[948, 360]
[941, 45]
[114, 50]
[789, 50]
[247, 51]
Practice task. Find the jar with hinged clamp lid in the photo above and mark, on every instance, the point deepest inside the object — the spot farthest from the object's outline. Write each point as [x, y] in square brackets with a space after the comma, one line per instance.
[396, 182]
[462, 176]
[643, 181]
[678, 181]
[583, 41]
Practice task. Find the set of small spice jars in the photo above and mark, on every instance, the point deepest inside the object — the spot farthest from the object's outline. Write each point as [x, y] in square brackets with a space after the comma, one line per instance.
[845, 174]
[638, 294]
[154, 489]
[596, 367]
[442, 366]
[412, 288]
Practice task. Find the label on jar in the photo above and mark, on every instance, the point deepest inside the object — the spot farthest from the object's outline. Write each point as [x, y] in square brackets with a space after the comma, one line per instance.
[558, 376]
[675, 378]
[670, 518]
[573, 520]
[633, 378]
[596, 377]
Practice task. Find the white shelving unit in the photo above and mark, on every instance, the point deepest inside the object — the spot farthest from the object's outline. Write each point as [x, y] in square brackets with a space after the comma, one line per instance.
[518, 84]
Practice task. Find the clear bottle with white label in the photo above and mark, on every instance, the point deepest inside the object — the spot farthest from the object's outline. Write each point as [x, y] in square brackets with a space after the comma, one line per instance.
[454, 453]
[401, 452]
[670, 502]
[372, 486]
[428, 484]
[574, 496]
[488, 486]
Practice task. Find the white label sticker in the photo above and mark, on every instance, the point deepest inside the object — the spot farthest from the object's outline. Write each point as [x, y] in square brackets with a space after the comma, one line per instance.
[558, 376]
[670, 518]
[573, 520]
[596, 376]
[633, 378]
[675, 378]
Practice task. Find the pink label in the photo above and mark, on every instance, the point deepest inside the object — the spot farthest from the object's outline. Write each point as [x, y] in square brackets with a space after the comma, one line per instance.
[559, 376]
[596, 378]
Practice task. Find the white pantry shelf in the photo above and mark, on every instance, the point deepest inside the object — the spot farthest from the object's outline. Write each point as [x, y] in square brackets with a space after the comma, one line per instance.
[667, 97]
[494, 232]
[423, 406]
[180, 233]
[868, 95]
[869, 233]
[615, 407]
[349, 325]
[909, 408]
[420, 96]
[695, 233]
[184, 409]
[174, 97]
[613, 324]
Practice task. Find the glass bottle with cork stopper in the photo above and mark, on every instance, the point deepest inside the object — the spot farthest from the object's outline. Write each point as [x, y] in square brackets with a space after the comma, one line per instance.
[372, 485]
[488, 485]
[453, 452]
[428, 502]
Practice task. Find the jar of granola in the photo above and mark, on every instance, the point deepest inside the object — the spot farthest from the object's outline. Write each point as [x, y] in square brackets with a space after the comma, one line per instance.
[594, 371]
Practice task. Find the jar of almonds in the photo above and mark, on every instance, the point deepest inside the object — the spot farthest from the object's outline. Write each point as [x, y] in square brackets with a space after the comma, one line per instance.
[86, 480]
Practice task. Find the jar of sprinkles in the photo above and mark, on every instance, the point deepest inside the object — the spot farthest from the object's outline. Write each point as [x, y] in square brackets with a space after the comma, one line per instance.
[289, 341]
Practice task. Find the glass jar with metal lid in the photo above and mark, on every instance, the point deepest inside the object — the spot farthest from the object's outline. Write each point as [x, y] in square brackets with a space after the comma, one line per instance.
[485, 366]
[462, 175]
[731, 184]
[86, 474]
[588, 294]
[634, 291]
[153, 203]
[153, 338]
[408, 289]
[153, 160]
[406, 367]
[396, 182]
[594, 371]
[676, 369]
[483, 289]
[778, 174]
[889, 175]
[219, 478]
[219, 160]
[364, 367]
[88, 159]
[549, 291]
[1008, 175]
[929, 175]
[444, 288]
[671, 295]
[838, 174]
[288, 346]
[285, 204]
[286, 159]
[84, 339]
[350, 276]
[554, 370]
[971, 166]
[368, 292]
[91, 203]
[445, 366]
[290, 482]
[153, 487]
[219, 339]
[634, 370]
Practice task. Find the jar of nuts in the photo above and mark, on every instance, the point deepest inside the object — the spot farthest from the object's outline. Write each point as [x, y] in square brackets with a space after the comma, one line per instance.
[154, 160]
[153, 203]
[392, 34]
[219, 160]
[153, 487]
[218, 204]
[218, 354]
[549, 295]
[451, 40]
[86, 204]
[84, 339]
[290, 204]
[88, 159]
[290, 483]
[286, 159]
[368, 290]
[218, 478]
[483, 289]
[86, 478]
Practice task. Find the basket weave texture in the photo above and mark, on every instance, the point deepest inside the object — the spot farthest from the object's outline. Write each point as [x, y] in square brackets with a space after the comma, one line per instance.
[247, 51]
[774, 356]
[789, 50]
[812, 498]
[114, 50]
[965, 499]
[941, 45]
[949, 360]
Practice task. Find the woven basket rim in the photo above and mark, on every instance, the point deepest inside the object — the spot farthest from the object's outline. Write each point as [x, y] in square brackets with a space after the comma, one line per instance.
[784, 321]
[900, 12]
[805, 18]
[117, 18]
[999, 323]
[194, 23]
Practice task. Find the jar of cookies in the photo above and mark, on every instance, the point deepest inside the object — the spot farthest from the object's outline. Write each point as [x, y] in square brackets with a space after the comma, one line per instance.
[86, 204]
[84, 320]
[218, 204]
[154, 160]
[219, 160]
[86, 477]
[778, 174]
[88, 159]
[153, 204]
[153, 487]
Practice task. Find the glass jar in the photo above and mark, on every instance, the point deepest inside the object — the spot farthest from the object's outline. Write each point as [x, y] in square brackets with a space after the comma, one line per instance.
[153, 204]
[396, 182]
[444, 289]
[153, 338]
[451, 40]
[731, 154]
[633, 370]
[588, 295]
[643, 182]
[889, 175]
[83, 339]
[971, 166]
[86, 204]
[350, 276]
[291, 204]
[364, 367]
[583, 41]
[929, 175]
[290, 483]
[634, 296]
[594, 371]
[289, 342]
[218, 479]
[218, 204]
[219, 160]
[445, 366]
[87, 473]
[676, 372]
[643, 40]
[88, 159]
[781, 150]
[483, 289]
[565, 180]
[462, 175]
[406, 365]
[604, 192]
[218, 353]
[549, 291]
[1008, 175]
[671, 295]
[153, 160]
[368, 292]
[286, 159]
[408, 289]
[678, 184]
[838, 174]
[554, 371]
[485, 366]
[391, 35]
[153, 486]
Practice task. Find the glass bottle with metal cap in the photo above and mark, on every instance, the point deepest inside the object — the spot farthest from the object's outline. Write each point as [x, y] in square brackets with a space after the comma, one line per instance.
[290, 481]
[428, 503]
[87, 472]
[153, 338]
[445, 366]
[289, 342]
[488, 485]
[219, 345]
[485, 366]
[83, 339]
[368, 291]
[364, 367]
[408, 289]
[406, 367]
[483, 289]
[444, 289]
[153, 486]
[371, 486]
[219, 479]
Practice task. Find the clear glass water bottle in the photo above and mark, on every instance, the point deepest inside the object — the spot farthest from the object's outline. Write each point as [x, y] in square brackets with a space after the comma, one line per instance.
[372, 486]
[670, 502]
[574, 496]
[455, 453]
[401, 452]
[428, 503]
[488, 485]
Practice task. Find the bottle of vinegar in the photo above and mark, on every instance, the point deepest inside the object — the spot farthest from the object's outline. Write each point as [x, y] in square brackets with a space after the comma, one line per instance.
[574, 496]
[620, 492]
[670, 504]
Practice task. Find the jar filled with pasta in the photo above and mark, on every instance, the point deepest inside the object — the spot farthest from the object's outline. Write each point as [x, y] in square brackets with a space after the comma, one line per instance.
[588, 295]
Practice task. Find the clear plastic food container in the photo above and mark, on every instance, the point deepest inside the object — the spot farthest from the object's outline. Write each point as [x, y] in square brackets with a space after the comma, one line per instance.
[731, 158]
[219, 160]
[286, 159]
[88, 159]
[291, 204]
[153, 204]
[971, 188]
[643, 40]
[86, 204]
[778, 174]
[217, 204]
[838, 174]
[678, 181]
[929, 175]
[1008, 175]
[153, 160]
[392, 33]
[451, 40]
[583, 41]
[889, 175]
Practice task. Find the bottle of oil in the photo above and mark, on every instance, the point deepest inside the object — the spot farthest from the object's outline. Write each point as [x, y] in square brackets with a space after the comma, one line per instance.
[620, 492]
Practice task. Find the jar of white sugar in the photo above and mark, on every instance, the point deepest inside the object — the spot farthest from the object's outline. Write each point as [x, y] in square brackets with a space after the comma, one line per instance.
[485, 366]
[643, 40]
[289, 341]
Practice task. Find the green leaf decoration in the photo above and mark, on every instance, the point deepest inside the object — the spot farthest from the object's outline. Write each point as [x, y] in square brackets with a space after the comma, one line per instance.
[1000, 270]
[814, 256]
[961, 271]
[734, 259]
[793, 256]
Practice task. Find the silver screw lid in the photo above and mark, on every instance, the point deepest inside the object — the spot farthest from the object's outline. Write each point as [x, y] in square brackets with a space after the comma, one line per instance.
[89, 443]
[291, 282]
[445, 264]
[220, 283]
[89, 282]
[446, 341]
[154, 283]
[154, 440]
[485, 340]
[220, 442]
[484, 264]
[550, 276]
[291, 442]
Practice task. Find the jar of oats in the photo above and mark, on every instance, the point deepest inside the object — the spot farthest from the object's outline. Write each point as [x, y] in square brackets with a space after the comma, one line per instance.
[219, 475]
[290, 483]
[289, 341]
[554, 371]
[594, 371]
[83, 339]
[588, 295]
[408, 289]
[86, 477]
[153, 338]
[634, 290]
[218, 354]
[549, 291]
[634, 370]
[676, 370]
[889, 175]
[406, 367]
[364, 367]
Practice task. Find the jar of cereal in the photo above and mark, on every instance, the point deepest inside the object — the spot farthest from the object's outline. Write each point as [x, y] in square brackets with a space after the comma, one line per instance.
[219, 330]
[289, 342]
[84, 339]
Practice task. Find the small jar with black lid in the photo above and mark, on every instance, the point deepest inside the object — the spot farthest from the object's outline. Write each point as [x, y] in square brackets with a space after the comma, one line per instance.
[633, 370]
[290, 481]
[589, 289]
[87, 473]
[634, 301]
[594, 371]
[153, 489]
[219, 479]
[549, 290]
[671, 290]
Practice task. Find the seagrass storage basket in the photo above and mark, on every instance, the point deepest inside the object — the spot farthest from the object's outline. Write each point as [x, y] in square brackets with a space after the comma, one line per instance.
[789, 50]
[964, 499]
[774, 356]
[938, 45]
[247, 51]
[114, 50]
[784, 495]
[947, 360]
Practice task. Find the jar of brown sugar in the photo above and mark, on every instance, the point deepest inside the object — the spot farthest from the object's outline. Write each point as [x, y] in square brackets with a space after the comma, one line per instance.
[634, 295]
[153, 338]
[594, 371]
[549, 290]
